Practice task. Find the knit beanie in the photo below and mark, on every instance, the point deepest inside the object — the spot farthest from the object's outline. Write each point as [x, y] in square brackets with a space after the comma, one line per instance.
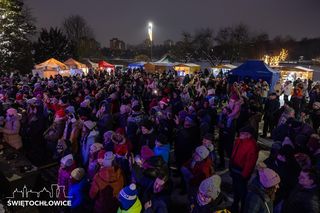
[67, 160]
[202, 151]
[128, 196]
[12, 111]
[268, 178]
[108, 159]
[77, 173]
[211, 186]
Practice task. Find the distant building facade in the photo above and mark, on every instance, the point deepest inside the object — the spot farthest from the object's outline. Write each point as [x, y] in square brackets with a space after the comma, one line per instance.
[116, 44]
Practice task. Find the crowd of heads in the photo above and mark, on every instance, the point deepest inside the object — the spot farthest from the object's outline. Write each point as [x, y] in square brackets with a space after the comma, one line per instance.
[121, 138]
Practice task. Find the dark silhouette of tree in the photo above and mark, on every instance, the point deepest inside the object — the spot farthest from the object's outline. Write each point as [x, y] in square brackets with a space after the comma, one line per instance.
[52, 44]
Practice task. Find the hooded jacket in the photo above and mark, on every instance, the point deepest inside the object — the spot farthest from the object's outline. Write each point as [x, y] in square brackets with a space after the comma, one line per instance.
[135, 208]
[105, 187]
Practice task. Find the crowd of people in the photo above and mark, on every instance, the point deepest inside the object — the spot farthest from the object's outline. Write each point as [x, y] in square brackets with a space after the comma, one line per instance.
[120, 139]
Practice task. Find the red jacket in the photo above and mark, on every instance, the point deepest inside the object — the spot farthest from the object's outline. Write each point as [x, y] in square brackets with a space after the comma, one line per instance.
[244, 155]
[200, 171]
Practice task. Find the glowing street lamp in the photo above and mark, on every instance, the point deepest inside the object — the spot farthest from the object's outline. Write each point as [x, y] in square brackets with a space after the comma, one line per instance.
[150, 26]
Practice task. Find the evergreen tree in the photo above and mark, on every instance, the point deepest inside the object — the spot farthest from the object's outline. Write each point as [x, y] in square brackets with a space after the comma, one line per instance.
[15, 27]
[52, 44]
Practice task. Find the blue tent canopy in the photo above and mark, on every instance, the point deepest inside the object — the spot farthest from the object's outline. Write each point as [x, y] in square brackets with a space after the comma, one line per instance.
[137, 65]
[255, 69]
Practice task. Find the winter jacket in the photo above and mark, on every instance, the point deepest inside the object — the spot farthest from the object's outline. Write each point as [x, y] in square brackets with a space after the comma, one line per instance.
[163, 151]
[55, 131]
[71, 134]
[244, 157]
[302, 200]
[11, 132]
[105, 187]
[271, 108]
[135, 208]
[85, 143]
[200, 171]
[257, 201]
[78, 193]
[64, 179]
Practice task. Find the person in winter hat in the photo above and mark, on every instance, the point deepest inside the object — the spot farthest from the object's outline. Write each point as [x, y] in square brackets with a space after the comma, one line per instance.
[129, 201]
[107, 142]
[262, 191]
[79, 191]
[88, 137]
[93, 159]
[66, 166]
[243, 160]
[208, 196]
[106, 185]
[207, 141]
[197, 169]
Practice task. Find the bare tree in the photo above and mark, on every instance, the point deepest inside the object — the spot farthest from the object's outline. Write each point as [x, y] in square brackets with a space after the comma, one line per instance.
[76, 28]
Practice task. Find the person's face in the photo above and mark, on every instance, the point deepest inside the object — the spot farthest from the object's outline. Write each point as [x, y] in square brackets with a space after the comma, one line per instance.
[244, 135]
[158, 185]
[203, 198]
[196, 157]
[304, 180]
[144, 130]
[206, 142]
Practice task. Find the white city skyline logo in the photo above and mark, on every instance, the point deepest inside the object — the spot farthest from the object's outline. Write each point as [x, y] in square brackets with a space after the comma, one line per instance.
[54, 193]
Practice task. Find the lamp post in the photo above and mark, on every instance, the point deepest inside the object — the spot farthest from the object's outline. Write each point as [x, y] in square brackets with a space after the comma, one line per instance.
[150, 25]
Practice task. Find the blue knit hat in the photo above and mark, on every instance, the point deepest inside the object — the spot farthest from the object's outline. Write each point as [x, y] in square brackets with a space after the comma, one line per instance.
[128, 196]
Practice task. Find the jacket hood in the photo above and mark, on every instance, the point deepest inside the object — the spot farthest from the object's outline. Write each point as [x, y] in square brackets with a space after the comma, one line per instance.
[110, 174]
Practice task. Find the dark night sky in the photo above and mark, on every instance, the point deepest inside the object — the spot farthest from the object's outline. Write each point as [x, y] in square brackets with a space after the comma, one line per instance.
[127, 19]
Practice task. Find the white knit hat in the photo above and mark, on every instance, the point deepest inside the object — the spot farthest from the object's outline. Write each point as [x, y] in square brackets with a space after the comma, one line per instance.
[67, 160]
[77, 173]
[211, 186]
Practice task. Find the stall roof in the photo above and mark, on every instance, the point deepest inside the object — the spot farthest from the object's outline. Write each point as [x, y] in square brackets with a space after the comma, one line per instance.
[51, 64]
[72, 62]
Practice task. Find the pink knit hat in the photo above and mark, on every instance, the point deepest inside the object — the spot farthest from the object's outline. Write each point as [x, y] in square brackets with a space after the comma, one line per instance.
[268, 178]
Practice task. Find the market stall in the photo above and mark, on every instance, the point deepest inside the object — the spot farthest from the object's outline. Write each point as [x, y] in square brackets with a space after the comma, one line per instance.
[293, 73]
[188, 68]
[103, 65]
[51, 67]
[254, 69]
[221, 70]
[76, 68]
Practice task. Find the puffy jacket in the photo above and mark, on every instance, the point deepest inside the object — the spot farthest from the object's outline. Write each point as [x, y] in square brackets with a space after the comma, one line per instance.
[302, 200]
[244, 156]
[11, 132]
[105, 188]
[78, 193]
[135, 208]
